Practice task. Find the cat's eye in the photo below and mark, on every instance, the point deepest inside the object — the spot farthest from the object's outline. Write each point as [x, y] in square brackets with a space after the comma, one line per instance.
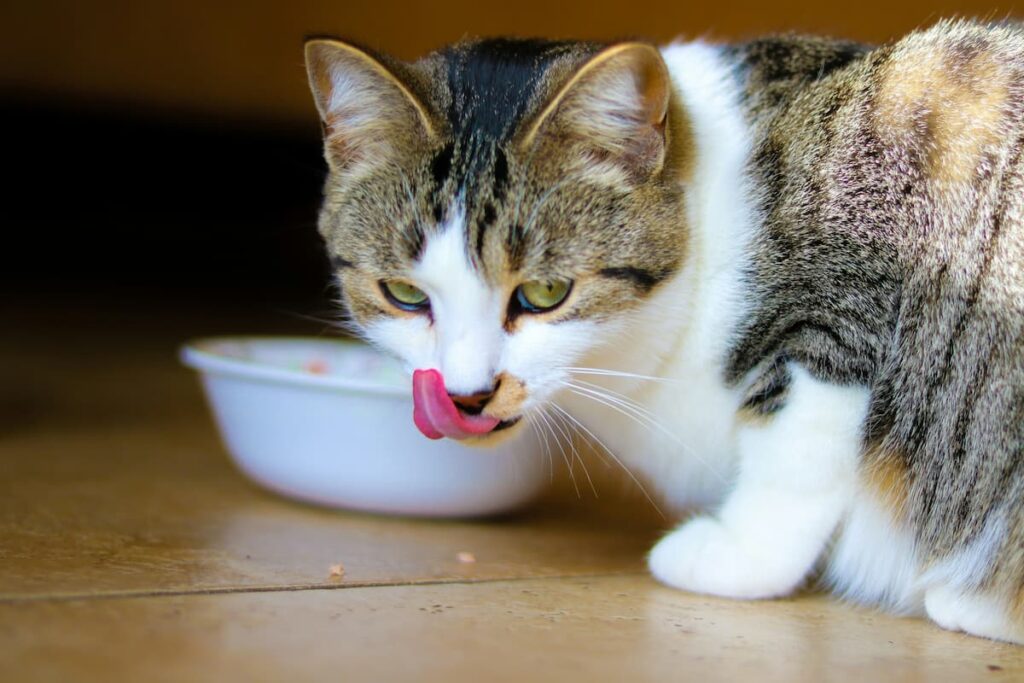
[404, 296]
[536, 296]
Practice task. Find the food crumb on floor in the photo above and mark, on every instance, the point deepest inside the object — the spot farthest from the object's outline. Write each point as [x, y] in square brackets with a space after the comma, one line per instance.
[466, 558]
[337, 571]
[317, 367]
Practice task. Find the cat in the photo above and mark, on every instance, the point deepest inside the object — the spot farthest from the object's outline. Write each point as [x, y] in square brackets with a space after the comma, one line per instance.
[782, 279]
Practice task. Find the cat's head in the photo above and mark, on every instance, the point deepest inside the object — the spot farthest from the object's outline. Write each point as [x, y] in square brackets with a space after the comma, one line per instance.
[497, 209]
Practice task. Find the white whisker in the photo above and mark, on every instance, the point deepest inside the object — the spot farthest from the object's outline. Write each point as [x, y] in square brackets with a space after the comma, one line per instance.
[580, 426]
[642, 417]
[547, 446]
[609, 393]
[615, 373]
[575, 453]
[565, 458]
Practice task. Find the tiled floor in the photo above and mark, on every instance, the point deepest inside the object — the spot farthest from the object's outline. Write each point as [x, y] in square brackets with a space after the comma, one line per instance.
[130, 549]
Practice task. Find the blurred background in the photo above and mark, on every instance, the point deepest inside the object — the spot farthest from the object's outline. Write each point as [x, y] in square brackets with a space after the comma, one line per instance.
[167, 153]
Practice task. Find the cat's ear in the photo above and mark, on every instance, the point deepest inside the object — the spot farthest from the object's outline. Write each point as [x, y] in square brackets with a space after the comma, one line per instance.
[367, 111]
[616, 105]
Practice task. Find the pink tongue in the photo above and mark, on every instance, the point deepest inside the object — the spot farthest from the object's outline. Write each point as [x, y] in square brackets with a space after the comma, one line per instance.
[435, 413]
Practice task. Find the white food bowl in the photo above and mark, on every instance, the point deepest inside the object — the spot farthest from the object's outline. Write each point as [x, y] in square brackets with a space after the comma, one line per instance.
[330, 422]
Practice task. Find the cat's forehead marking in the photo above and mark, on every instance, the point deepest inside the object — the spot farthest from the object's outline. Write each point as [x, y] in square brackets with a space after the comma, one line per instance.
[491, 88]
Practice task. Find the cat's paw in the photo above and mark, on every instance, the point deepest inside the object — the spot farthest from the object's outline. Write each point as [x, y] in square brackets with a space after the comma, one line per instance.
[974, 614]
[703, 556]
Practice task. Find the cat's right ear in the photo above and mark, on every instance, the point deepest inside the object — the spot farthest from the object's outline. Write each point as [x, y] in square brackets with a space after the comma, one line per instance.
[616, 106]
[367, 112]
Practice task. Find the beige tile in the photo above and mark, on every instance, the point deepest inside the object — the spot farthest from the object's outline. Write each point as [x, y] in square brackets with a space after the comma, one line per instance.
[158, 509]
[608, 628]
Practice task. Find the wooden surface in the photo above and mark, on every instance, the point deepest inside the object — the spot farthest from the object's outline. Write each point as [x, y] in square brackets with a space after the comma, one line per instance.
[130, 549]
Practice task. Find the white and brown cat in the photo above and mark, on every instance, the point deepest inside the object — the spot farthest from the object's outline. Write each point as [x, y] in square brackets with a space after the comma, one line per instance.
[783, 280]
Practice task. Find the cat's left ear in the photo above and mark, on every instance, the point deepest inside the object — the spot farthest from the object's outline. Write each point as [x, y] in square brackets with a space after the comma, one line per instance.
[617, 105]
[369, 113]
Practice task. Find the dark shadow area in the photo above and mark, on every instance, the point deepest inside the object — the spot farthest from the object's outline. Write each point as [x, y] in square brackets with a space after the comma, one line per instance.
[137, 206]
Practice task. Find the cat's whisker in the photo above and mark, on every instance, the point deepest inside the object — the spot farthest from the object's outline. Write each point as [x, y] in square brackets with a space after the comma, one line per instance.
[542, 436]
[543, 430]
[614, 373]
[579, 383]
[635, 411]
[572, 473]
[352, 329]
[328, 323]
[590, 436]
[612, 402]
[643, 418]
[575, 453]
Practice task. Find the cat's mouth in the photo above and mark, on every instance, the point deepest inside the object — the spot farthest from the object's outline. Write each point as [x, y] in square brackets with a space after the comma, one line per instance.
[505, 424]
[437, 416]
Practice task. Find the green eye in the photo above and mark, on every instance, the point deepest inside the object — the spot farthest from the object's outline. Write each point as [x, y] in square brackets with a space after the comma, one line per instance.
[542, 295]
[404, 296]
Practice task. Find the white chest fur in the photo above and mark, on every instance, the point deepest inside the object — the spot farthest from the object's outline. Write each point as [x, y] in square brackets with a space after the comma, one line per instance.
[682, 432]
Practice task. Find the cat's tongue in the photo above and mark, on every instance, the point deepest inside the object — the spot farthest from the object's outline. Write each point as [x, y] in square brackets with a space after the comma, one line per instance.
[435, 413]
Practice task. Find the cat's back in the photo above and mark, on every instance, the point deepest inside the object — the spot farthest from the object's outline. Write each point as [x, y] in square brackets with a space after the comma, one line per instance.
[952, 95]
[892, 255]
[939, 111]
[946, 107]
[882, 173]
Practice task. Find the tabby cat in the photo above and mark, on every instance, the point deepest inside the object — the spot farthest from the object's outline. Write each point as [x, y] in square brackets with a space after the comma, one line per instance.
[783, 280]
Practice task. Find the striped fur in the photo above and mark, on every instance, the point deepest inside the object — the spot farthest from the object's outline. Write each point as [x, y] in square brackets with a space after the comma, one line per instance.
[892, 255]
[862, 262]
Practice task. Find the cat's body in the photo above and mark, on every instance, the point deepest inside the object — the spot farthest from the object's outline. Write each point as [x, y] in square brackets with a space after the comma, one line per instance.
[816, 247]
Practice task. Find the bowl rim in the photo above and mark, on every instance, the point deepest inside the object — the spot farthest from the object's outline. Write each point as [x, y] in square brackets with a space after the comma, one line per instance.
[196, 354]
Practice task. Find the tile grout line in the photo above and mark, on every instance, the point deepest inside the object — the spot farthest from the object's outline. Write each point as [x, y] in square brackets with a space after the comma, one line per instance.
[291, 588]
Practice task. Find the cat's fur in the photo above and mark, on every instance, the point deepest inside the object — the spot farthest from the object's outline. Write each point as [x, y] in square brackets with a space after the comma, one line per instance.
[817, 246]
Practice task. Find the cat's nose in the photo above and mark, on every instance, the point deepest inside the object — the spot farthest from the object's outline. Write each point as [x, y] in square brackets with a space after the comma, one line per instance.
[472, 404]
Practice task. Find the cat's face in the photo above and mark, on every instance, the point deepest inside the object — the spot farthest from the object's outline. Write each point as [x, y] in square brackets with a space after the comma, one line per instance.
[496, 210]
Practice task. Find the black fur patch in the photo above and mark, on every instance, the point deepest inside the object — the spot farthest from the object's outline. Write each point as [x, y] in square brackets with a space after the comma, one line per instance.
[500, 174]
[785, 57]
[644, 279]
[415, 241]
[491, 83]
[767, 395]
[441, 166]
[438, 210]
[515, 246]
[489, 214]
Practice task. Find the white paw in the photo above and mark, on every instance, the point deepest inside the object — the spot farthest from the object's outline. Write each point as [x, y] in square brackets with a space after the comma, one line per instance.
[974, 614]
[704, 556]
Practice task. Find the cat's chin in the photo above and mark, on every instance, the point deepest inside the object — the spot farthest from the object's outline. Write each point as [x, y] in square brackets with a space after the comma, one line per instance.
[499, 435]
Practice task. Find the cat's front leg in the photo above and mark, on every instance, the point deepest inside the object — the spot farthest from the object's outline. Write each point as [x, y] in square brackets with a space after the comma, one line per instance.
[797, 475]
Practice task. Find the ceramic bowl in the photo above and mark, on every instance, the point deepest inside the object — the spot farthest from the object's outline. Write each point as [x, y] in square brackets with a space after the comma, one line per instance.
[330, 422]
